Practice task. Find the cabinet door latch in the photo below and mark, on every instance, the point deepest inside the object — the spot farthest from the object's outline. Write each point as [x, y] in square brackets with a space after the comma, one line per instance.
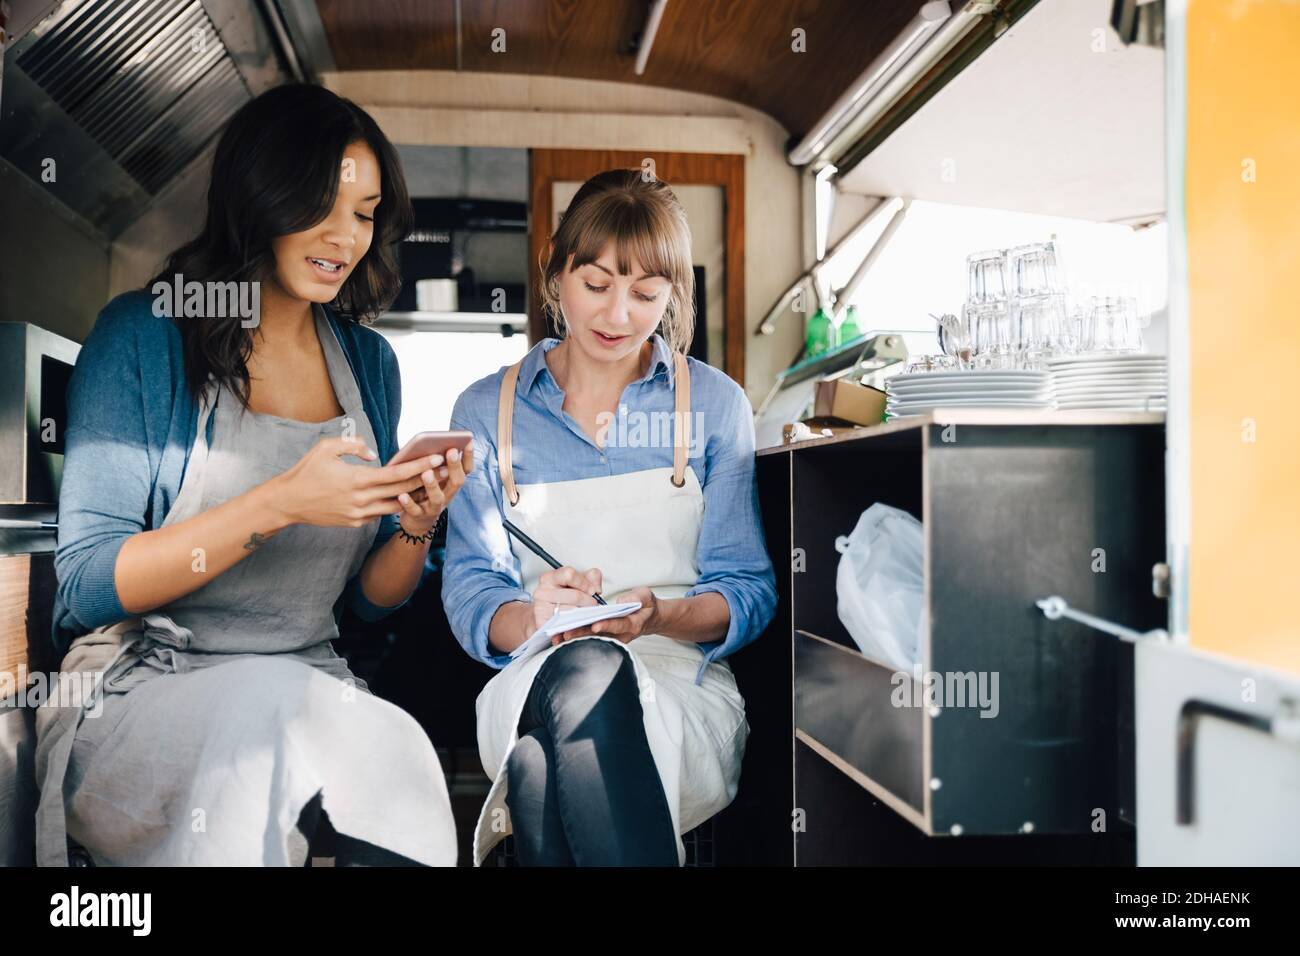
[1055, 608]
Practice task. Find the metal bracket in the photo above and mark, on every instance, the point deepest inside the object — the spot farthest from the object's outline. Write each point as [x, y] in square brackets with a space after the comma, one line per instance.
[1160, 581]
[1055, 607]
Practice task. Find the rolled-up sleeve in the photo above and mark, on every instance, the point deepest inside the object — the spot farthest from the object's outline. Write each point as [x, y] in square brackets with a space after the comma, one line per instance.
[480, 572]
[732, 554]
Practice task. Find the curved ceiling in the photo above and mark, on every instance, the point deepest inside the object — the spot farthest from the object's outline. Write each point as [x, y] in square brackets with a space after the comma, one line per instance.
[737, 49]
[1057, 117]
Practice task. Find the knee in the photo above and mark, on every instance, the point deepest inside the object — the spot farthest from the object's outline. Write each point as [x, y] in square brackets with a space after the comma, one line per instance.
[588, 678]
[526, 764]
[593, 663]
[300, 701]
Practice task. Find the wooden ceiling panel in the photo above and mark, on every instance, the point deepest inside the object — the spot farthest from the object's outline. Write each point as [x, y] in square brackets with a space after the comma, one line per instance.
[550, 37]
[391, 34]
[736, 49]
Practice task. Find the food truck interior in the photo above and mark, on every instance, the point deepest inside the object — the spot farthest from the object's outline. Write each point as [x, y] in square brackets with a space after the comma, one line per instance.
[1108, 572]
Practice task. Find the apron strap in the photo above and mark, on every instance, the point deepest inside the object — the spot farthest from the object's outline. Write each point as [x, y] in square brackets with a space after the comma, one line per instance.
[682, 433]
[506, 415]
[196, 467]
[505, 426]
[208, 396]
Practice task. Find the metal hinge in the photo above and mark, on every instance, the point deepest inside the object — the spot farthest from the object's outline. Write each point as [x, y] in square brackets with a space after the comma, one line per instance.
[1160, 581]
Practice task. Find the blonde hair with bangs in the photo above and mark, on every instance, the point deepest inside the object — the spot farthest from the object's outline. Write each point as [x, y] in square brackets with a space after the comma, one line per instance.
[646, 222]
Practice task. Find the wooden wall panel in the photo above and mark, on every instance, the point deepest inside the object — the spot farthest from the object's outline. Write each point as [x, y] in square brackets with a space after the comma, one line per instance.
[548, 166]
[27, 585]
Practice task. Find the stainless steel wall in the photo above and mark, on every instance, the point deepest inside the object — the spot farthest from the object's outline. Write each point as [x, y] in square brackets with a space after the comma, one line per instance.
[54, 267]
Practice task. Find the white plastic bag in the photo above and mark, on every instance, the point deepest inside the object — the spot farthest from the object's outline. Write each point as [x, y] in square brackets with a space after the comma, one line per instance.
[881, 585]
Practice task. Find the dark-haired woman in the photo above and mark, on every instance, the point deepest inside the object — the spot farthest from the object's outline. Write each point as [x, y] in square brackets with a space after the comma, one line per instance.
[223, 497]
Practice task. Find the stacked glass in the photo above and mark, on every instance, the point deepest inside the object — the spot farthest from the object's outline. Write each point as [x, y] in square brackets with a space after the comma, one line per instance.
[1015, 313]
[985, 314]
[1038, 313]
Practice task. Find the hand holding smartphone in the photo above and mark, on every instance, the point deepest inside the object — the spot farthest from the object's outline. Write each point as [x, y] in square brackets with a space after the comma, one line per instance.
[425, 444]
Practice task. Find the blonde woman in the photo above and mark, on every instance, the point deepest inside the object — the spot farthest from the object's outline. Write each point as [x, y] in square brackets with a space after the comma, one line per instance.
[616, 453]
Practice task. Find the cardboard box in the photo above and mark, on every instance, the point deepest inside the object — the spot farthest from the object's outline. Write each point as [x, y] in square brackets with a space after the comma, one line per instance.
[849, 402]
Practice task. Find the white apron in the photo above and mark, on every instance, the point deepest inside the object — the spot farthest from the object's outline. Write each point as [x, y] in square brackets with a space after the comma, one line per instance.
[640, 529]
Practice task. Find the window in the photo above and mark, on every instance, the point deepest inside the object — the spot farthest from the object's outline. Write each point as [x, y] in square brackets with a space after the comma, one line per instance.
[922, 270]
[438, 366]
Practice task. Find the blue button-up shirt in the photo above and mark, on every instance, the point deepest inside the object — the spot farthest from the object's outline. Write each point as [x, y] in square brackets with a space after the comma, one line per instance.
[482, 572]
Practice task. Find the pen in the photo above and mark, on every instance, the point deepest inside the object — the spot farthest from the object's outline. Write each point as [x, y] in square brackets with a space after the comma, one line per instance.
[537, 549]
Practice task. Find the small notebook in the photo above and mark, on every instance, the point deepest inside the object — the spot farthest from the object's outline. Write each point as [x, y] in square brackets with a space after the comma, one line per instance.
[571, 620]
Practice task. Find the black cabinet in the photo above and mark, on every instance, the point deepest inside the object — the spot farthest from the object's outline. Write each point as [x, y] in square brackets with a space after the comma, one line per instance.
[1012, 740]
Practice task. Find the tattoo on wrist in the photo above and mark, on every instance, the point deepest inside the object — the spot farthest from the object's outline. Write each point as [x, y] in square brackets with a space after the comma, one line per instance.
[255, 542]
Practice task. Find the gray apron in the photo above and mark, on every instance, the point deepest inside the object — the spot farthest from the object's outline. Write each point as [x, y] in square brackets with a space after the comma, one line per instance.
[238, 679]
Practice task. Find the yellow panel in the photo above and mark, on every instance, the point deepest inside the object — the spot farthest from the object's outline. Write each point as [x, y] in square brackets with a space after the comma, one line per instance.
[1243, 264]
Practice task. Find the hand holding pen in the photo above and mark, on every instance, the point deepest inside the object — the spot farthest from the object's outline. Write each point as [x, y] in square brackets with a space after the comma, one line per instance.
[559, 589]
[562, 589]
[542, 553]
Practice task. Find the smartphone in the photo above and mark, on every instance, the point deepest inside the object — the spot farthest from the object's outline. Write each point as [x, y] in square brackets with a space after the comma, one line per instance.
[432, 443]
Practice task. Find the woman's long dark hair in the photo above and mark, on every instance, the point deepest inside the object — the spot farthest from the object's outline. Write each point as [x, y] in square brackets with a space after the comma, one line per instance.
[275, 172]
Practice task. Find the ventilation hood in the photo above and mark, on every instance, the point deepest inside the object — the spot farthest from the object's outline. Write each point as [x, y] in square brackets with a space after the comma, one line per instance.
[105, 102]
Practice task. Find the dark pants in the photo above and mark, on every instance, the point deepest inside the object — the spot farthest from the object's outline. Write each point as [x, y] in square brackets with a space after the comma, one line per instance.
[582, 785]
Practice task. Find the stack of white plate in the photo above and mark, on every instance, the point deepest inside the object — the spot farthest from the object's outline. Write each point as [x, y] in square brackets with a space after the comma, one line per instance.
[1125, 382]
[922, 392]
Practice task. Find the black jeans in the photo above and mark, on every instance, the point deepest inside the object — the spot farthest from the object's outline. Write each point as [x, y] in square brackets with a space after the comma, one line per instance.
[582, 785]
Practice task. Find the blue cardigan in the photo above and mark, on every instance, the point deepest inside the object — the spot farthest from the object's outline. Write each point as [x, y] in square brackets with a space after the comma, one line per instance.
[131, 425]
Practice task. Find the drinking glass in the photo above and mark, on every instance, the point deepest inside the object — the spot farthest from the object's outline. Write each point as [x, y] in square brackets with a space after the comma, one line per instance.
[1111, 325]
[1033, 269]
[990, 328]
[1075, 328]
[996, 360]
[1041, 324]
[987, 277]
